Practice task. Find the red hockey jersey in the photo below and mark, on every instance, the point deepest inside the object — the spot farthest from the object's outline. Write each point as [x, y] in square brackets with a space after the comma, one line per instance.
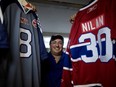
[92, 47]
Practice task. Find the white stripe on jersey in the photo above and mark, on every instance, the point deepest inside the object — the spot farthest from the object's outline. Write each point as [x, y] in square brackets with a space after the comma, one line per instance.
[1, 16]
[66, 68]
[89, 85]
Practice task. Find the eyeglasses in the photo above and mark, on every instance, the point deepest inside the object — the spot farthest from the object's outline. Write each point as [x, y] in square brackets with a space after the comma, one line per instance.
[55, 42]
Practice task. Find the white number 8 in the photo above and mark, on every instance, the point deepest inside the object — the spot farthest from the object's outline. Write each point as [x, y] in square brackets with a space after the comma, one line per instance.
[26, 43]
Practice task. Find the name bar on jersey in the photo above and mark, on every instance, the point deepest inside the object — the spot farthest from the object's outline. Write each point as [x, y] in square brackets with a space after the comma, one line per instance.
[93, 24]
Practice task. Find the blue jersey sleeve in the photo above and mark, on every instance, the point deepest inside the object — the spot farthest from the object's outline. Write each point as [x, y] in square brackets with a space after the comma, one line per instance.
[43, 51]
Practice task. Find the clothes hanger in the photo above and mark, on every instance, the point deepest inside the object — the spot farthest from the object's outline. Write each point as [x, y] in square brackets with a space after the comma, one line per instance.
[89, 2]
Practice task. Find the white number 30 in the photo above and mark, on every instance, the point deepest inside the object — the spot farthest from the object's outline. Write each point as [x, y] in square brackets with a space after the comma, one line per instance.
[93, 46]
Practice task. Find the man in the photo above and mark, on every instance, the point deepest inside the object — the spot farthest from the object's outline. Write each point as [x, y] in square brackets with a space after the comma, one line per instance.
[56, 47]
[53, 66]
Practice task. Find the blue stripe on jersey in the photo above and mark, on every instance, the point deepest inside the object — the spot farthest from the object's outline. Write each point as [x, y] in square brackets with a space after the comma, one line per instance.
[114, 48]
[82, 50]
[67, 61]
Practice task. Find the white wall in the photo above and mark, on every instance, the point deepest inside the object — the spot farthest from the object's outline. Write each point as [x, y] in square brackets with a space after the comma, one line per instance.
[55, 18]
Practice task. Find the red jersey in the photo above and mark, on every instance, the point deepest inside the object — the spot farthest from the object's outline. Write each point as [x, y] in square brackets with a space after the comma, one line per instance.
[92, 46]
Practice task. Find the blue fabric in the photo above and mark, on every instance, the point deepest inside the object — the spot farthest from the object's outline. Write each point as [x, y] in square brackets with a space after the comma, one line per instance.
[3, 37]
[53, 71]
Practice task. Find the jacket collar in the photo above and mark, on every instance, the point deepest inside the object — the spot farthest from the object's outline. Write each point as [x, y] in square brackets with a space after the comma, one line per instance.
[26, 6]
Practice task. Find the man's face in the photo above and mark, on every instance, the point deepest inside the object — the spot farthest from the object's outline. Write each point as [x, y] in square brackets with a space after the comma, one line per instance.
[56, 47]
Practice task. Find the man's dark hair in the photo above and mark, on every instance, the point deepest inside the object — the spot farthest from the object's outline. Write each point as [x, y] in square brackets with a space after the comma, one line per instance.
[57, 36]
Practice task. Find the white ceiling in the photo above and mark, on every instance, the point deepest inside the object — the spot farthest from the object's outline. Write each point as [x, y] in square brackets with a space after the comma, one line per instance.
[75, 1]
[62, 25]
[70, 3]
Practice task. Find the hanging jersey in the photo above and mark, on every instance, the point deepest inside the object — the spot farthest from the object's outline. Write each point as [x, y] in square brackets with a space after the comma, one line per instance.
[3, 34]
[27, 48]
[92, 46]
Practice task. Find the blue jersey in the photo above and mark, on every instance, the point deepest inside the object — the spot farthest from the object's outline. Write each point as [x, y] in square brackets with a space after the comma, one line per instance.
[3, 49]
[27, 48]
[3, 34]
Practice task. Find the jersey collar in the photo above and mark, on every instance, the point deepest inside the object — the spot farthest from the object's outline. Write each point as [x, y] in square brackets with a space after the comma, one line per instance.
[25, 6]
